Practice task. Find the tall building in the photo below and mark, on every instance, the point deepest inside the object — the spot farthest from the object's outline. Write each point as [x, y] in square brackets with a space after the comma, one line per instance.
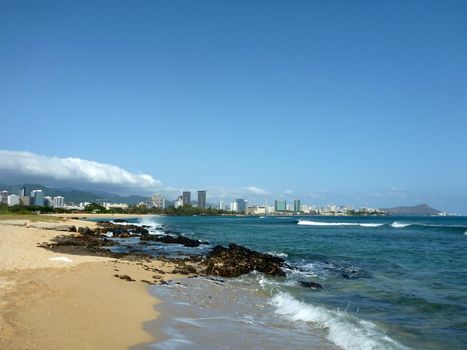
[186, 198]
[178, 202]
[22, 192]
[221, 205]
[158, 200]
[12, 199]
[241, 205]
[297, 205]
[202, 199]
[58, 202]
[233, 207]
[48, 201]
[280, 205]
[25, 200]
[37, 198]
[4, 197]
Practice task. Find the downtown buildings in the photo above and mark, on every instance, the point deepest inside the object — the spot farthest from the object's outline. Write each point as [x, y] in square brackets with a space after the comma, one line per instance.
[35, 198]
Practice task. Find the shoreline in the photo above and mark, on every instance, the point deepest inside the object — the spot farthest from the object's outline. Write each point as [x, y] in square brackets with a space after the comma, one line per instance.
[67, 300]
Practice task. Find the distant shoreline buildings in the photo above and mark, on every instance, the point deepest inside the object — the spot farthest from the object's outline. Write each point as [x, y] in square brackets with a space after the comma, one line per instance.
[35, 198]
[238, 206]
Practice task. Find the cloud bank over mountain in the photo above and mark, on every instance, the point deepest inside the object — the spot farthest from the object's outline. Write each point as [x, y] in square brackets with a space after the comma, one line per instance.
[21, 166]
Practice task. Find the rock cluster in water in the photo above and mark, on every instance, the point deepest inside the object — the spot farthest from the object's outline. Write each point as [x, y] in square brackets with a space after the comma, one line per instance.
[178, 239]
[236, 260]
[233, 261]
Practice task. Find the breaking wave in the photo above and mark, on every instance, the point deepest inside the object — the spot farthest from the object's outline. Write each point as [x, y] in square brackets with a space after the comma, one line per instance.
[343, 329]
[397, 224]
[319, 223]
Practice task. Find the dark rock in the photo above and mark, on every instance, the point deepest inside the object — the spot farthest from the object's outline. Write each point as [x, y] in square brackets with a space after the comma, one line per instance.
[121, 233]
[310, 284]
[184, 270]
[148, 282]
[125, 277]
[236, 260]
[119, 220]
[187, 242]
[86, 231]
[352, 272]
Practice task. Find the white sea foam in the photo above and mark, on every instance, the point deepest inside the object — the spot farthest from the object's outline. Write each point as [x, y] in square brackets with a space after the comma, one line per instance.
[345, 330]
[320, 223]
[278, 254]
[148, 221]
[396, 224]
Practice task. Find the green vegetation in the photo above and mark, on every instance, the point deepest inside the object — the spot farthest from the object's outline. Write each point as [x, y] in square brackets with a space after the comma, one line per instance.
[95, 208]
[181, 211]
[18, 210]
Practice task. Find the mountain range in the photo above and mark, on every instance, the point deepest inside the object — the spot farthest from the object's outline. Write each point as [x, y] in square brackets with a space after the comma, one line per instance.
[416, 210]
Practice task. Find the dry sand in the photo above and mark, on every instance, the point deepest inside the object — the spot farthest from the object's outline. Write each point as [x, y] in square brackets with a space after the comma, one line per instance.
[61, 301]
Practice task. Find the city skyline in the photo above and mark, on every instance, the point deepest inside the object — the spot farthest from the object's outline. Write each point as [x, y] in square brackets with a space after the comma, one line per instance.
[343, 102]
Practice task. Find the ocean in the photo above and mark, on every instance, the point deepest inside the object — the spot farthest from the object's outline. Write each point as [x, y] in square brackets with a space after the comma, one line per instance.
[389, 283]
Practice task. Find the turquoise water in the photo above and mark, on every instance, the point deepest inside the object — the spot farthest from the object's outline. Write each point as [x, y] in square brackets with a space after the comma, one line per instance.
[389, 283]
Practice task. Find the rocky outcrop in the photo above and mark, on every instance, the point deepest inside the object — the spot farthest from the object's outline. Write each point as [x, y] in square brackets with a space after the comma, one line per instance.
[179, 239]
[86, 231]
[236, 260]
[119, 230]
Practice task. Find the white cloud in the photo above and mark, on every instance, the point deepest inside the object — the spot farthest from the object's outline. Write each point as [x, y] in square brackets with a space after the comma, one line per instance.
[27, 165]
[256, 191]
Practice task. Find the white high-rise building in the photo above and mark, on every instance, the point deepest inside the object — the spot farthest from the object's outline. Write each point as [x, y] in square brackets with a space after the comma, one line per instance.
[222, 205]
[158, 200]
[178, 202]
[58, 202]
[234, 206]
[12, 199]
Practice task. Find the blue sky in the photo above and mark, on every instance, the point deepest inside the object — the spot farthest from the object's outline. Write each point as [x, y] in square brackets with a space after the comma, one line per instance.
[361, 102]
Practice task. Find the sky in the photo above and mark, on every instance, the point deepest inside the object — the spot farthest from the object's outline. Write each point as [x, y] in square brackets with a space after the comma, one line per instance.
[359, 102]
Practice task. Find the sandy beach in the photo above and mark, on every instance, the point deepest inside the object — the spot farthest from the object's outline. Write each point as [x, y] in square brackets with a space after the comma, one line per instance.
[53, 300]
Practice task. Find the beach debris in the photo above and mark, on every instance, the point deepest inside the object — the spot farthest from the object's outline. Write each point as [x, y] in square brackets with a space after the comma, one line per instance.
[63, 228]
[310, 284]
[236, 260]
[125, 277]
[62, 259]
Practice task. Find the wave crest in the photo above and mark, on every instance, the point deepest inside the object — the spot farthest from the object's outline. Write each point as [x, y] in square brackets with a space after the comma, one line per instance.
[320, 223]
[345, 330]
